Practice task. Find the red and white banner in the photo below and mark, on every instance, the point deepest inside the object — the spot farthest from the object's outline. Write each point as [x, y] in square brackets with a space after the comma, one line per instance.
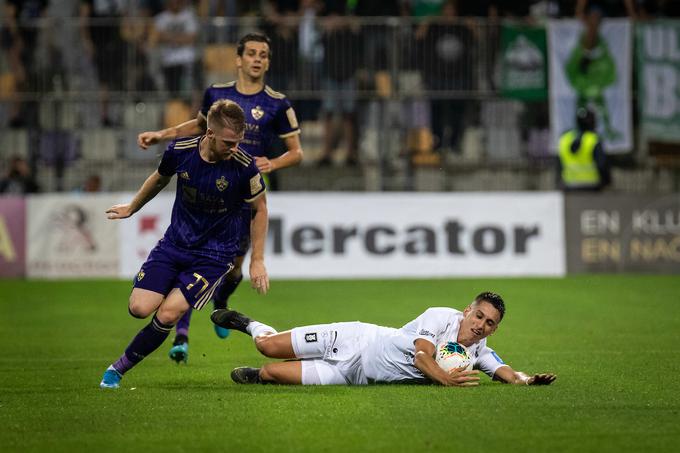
[70, 236]
[140, 233]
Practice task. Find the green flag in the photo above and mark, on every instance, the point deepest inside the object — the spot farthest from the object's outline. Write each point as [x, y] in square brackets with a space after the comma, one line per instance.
[524, 57]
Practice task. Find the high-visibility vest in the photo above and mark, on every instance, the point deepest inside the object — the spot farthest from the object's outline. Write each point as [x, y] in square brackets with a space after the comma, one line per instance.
[579, 168]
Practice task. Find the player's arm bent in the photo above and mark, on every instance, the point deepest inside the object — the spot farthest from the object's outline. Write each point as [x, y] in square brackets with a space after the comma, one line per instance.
[258, 233]
[424, 361]
[292, 156]
[197, 126]
[507, 375]
[153, 184]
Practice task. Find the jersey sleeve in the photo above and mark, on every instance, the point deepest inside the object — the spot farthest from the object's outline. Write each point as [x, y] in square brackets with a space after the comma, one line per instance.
[168, 164]
[285, 122]
[431, 324]
[252, 185]
[488, 361]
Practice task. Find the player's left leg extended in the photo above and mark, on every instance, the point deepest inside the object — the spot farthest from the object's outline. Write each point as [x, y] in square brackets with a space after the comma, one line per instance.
[296, 372]
[149, 338]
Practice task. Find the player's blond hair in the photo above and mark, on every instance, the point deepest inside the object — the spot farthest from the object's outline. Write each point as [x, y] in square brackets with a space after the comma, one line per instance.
[227, 114]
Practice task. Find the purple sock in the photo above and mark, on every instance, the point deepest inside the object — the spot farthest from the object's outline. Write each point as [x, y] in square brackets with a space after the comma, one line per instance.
[183, 324]
[147, 341]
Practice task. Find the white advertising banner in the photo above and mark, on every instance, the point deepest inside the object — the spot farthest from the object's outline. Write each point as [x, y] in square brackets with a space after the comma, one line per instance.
[599, 78]
[70, 236]
[331, 235]
[140, 233]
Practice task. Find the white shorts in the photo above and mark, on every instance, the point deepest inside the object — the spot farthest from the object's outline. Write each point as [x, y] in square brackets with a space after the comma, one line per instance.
[331, 353]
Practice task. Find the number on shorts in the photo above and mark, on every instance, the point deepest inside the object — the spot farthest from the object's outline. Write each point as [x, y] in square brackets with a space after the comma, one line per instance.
[199, 278]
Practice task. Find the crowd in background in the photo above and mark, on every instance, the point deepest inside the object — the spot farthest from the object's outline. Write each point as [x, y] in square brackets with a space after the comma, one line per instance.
[328, 52]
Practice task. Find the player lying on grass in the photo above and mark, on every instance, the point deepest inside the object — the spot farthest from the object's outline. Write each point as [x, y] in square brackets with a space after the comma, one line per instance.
[359, 353]
[214, 179]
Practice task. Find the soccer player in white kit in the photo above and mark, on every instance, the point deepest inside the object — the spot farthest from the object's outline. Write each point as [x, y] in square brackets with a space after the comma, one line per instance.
[356, 353]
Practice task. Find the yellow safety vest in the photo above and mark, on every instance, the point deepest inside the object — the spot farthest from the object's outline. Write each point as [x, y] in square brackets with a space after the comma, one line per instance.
[579, 169]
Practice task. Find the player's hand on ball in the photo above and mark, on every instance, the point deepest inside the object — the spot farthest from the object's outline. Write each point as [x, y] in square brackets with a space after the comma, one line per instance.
[460, 377]
[542, 379]
[264, 165]
[119, 211]
[259, 279]
[146, 139]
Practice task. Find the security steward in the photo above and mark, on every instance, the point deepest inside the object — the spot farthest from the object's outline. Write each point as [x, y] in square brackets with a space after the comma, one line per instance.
[582, 164]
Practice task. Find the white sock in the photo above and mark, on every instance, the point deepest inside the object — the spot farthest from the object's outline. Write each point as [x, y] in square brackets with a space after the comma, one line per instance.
[255, 329]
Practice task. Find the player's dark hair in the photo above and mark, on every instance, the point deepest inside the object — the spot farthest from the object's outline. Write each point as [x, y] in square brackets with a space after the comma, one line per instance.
[258, 37]
[226, 113]
[494, 299]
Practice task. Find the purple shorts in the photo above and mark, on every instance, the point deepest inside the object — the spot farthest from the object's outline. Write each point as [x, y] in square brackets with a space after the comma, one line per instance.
[196, 276]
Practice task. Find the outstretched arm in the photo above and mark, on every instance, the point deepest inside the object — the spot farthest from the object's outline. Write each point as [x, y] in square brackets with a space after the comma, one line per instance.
[507, 375]
[197, 126]
[292, 156]
[153, 184]
[258, 232]
[425, 362]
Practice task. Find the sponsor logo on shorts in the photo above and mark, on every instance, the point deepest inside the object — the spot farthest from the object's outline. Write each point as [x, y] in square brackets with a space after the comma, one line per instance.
[310, 337]
[426, 333]
[140, 276]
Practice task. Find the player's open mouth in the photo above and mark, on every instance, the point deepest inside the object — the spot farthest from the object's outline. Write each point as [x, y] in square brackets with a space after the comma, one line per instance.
[477, 332]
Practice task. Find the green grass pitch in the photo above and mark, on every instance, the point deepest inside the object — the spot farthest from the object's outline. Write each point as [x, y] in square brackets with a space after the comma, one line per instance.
[614, 342]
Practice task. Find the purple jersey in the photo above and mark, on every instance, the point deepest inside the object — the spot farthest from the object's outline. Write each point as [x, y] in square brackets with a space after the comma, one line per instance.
[206, 216]
[267, 113]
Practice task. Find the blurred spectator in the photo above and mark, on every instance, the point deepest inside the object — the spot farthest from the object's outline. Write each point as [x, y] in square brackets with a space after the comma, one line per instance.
[582, 164]
[342, 52]
[93, 183]
[175, 31]
[447, 67]
[136, 28]
[19, 40]
[376, 36]
[19, 179]
[281, 24]
[100, 26]
[218, 33]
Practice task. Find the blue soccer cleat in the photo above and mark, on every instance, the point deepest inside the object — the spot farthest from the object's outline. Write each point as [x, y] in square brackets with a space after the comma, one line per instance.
[222, 332]
[111, 379]
[179, 353]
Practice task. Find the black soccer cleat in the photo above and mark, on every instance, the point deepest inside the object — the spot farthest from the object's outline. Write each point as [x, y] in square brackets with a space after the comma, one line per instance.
[231, 319]
[246, 375]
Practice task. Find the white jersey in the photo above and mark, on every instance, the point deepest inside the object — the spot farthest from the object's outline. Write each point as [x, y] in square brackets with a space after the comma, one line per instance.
[389, 357]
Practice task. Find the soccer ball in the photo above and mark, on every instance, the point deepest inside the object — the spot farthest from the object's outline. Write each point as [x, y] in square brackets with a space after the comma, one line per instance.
[452, 355]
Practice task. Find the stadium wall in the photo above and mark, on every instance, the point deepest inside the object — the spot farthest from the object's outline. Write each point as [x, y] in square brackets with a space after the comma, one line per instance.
[381, 235]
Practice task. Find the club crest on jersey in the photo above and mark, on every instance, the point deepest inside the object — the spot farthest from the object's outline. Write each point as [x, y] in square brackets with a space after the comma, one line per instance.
[257, 112]
[221, 184]
[140, 276]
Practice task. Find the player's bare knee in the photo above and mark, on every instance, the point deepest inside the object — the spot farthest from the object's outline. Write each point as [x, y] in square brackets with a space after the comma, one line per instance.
[137, 309]
[266, 346]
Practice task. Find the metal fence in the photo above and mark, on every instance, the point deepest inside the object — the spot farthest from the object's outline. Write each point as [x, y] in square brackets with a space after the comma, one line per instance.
[419, 101]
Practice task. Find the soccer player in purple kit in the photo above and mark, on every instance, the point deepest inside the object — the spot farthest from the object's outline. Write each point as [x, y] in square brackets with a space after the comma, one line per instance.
[215, 178]
[267, 113]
